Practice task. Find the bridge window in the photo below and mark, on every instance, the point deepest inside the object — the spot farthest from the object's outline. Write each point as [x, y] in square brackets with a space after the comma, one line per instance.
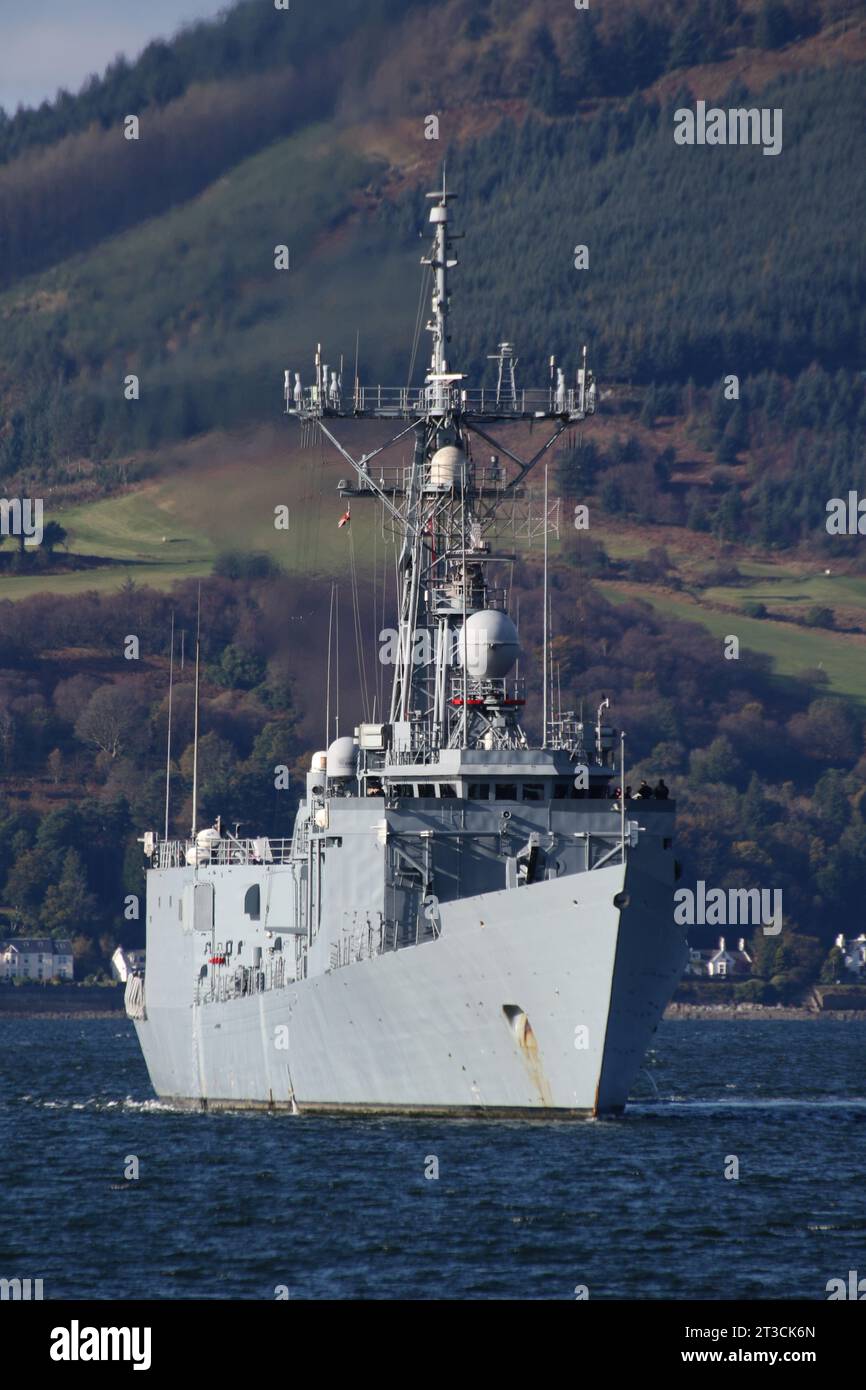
[533, 791]
[506, 791]
[445, 789]
[479, 791]
[426, 789]
[253, 903]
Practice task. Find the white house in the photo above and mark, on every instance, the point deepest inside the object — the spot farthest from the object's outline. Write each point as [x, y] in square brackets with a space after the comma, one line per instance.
[125, 963]
[36, 958]
[720, 964]
[854, 954]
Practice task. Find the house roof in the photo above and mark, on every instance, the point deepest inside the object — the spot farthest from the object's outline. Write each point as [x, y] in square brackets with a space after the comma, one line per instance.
[27, 945]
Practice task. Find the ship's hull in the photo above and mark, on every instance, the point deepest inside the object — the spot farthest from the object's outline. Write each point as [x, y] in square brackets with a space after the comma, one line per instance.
[535, 1000]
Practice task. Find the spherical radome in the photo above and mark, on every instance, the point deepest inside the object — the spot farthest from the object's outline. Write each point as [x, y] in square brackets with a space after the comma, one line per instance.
[448, 467]
[491, 645]
[343, 757]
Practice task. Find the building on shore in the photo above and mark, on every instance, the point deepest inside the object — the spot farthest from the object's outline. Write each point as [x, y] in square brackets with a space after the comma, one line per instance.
[853, 956]
[36, 958]
[125, 962]
[721, 963]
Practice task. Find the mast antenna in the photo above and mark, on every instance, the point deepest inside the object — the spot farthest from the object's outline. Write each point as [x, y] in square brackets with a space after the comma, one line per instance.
[622, 794]
[168, 741]
[464, 742]
[544, 734]
[328, 686]
[195, 729]
[336, 661]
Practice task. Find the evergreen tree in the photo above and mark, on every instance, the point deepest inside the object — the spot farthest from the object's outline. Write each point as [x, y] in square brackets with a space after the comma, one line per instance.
[687, 43]
[69, 905]
[774, 27]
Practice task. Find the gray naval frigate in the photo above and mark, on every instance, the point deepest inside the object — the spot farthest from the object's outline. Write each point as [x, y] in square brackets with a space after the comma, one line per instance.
[464, 921]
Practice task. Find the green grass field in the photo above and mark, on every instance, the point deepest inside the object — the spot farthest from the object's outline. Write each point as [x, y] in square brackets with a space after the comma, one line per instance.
[792, 649]
[793, 592]
[219, 493]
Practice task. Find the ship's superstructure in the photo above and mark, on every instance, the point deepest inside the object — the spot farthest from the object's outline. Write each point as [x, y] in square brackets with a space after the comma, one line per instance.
[462, 921]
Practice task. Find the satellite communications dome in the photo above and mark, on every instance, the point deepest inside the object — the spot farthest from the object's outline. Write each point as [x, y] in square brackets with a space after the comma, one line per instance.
[448, 467]
[343, 757]
[491, 644]
[319, 762]
[206, 842]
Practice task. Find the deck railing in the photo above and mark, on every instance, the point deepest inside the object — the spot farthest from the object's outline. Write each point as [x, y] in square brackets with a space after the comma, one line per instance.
[414, 400]
[176, 854]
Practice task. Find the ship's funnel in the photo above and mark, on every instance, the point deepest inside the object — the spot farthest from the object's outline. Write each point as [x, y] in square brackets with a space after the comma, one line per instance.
[490, 645]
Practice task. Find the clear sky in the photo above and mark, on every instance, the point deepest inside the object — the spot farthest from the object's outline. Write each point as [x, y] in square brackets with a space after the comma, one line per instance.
[47, 44]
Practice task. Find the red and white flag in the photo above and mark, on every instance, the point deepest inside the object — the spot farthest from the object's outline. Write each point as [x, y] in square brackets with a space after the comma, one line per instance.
[344, 519]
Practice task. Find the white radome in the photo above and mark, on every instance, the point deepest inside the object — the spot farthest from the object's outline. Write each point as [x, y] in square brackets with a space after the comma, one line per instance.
[491, 645]
[448, 467]
[343, 757]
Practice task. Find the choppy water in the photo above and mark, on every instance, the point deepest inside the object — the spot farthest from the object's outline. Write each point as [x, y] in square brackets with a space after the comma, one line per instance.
[230, 1206]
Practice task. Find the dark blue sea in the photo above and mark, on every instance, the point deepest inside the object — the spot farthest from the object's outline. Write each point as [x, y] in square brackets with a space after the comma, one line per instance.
[235, 1205]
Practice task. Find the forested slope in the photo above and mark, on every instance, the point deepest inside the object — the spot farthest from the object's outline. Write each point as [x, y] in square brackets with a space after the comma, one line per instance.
[156, 258]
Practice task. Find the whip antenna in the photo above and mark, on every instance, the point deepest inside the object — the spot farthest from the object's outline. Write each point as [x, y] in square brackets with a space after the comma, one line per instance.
[168, 740]
[195, 730]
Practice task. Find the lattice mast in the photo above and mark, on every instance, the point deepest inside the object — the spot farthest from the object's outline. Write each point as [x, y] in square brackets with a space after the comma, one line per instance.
[456, 644]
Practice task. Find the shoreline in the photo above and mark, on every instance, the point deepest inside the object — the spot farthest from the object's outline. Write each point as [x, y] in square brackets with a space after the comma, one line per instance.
[766, 1012]
[62, 1013]
[707, 1013]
